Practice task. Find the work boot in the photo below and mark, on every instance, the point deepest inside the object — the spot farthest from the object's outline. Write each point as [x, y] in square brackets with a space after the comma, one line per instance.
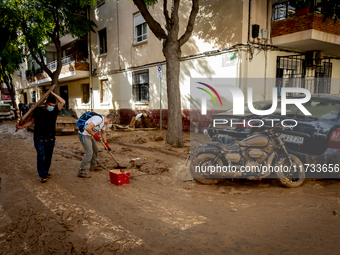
[97, 168]
[48, 176]
[82, 173]
[43, 180]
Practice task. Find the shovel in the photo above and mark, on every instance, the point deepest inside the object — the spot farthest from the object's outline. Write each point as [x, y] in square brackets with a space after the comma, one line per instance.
[117, 167]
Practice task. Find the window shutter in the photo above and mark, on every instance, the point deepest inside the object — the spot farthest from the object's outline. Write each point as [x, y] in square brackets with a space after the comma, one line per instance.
[139, 19]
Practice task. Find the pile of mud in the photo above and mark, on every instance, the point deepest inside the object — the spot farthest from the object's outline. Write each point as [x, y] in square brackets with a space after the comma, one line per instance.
[148, 166]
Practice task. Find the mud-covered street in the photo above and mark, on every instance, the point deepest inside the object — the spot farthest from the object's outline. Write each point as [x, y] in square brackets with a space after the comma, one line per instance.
[161, 211]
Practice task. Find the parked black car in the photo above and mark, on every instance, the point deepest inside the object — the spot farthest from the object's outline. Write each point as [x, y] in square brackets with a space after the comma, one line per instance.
[237, 131]
[316, 138]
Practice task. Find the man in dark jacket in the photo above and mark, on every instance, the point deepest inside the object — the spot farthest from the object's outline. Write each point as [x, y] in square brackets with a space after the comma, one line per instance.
[20, 106]
[44, 132]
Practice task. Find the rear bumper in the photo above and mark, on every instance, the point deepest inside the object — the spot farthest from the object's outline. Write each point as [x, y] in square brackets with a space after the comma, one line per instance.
[330, 156]
[329, 159]
[7, 117]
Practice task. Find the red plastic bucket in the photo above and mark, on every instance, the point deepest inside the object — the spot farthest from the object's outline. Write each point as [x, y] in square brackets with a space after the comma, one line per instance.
[118, 177]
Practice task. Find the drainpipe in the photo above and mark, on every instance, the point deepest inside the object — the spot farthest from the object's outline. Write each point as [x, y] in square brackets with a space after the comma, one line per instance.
[249, 20]
[239, 68]
[90, 60]
[118, 36]
[248, 42]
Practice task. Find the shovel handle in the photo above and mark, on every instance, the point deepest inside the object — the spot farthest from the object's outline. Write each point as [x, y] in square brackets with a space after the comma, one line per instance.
[109, 152]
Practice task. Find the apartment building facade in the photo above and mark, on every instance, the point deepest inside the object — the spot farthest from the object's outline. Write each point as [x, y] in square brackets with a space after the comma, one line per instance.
[115, 69]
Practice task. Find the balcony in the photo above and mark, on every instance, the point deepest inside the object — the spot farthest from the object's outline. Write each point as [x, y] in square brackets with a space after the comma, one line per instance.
[74, 66]
[308, 32]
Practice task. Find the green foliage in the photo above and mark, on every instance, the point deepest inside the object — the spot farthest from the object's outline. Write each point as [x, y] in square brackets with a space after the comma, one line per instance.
[149, 3]
[300, 4]
[38, 70]
[12, 52]
[28, 73]
[330, 8]
[45, 21]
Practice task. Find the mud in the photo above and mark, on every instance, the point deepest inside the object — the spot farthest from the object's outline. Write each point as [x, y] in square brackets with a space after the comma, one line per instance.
[161, 211]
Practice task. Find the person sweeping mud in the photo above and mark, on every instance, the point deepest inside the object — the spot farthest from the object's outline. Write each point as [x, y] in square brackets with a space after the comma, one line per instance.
[90, 124]
[44, 132]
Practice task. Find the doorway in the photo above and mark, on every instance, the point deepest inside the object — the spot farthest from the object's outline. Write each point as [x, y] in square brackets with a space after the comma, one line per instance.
[25, 98]
[64, 94]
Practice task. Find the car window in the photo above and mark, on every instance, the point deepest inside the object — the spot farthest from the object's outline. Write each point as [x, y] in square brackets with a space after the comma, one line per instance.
[320, 109]
[259, 105]
[64, 113]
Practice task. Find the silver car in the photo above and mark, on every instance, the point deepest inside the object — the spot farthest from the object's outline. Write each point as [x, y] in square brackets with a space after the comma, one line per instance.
[6, 112]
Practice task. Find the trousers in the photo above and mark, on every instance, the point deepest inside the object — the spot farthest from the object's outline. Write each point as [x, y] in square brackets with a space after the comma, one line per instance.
[91, 152]
[44, 148]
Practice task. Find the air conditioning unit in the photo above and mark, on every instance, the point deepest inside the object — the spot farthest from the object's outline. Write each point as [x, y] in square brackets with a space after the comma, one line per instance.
[18, 73]
[314, 58]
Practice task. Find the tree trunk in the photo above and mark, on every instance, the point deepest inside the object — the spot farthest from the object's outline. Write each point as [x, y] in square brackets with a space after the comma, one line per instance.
[55, 81]
[12, 93]
[172, 53]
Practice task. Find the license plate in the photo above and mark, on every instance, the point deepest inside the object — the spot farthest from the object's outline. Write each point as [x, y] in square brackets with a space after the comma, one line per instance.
[67, 130]
[292, 138]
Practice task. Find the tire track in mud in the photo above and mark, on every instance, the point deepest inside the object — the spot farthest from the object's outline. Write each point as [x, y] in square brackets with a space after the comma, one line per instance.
[83, 219]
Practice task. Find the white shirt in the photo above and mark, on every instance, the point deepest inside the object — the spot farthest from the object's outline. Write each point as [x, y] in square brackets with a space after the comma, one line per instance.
[98, 124]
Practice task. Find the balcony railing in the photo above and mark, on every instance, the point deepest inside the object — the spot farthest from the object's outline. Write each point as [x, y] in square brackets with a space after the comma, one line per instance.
[65, 61]
[284, 10]
[76, 57]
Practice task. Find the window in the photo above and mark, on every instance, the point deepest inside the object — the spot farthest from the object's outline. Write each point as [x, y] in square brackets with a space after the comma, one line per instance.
[141, 86]
[86, 93]
[140, 28]
[104, 91]
[23, 73]
[102, 41]
[34, 97]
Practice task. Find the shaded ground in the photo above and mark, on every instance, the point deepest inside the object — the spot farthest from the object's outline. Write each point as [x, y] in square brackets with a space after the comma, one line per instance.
[161, 211]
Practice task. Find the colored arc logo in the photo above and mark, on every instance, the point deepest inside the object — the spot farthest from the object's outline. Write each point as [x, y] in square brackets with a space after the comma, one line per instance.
[212, 89]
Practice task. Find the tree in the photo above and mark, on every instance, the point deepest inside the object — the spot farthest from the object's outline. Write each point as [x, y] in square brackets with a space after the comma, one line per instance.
[46, 21]
[12, 52]
[172, 44]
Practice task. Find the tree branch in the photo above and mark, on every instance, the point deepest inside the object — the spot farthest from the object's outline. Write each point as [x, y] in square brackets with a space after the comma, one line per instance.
[41, 63]
[191, 22]
[166, 13]
[174, 11]
[152, 23]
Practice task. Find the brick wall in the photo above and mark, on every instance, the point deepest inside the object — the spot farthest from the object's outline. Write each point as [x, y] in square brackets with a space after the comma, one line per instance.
[78, 112]
[152, 118]
[305, 22]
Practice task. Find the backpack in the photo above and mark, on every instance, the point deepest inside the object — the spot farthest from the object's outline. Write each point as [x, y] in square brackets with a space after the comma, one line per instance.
[81, 121]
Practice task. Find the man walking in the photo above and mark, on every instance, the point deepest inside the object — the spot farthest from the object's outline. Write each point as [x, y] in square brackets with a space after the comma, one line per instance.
[20, 108]
[44, 132]
[88, 139]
